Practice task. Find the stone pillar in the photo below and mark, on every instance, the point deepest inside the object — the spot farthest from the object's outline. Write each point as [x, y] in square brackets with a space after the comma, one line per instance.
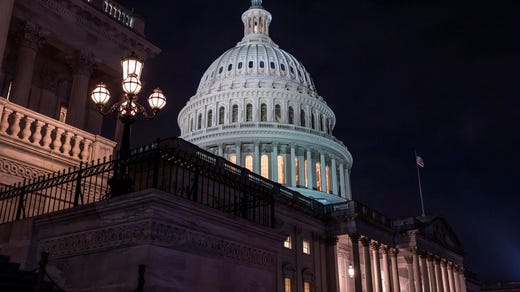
[220, 150]
[82, 68]
[366, 259]
[396, 287]
[416, 272]
[438, 273]
[301, 170]
[238, 151]
[347, 185]
[322, 170]
[354, 238]
[342, 186]
[274, 163]
[334, 176]
[310, 178]
[332, 264]
[293, 166]
[386, 270]
[456, 278]
[462, 280]
[6, 10]
[445, 285]
[376, 271]
[30, 41]
[409, 269]
[450, 277]
[424, 273]
[256, 158]
[431, 273]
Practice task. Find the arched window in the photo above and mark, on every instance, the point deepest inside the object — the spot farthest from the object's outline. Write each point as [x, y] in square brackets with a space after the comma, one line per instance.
[210, 119]
[281, 169]
[233, 158]
[249, 162]
[199, 122]
[249, 112]
[302, 118]
[277, 113]
[221, 112]
[234, 114]
[297, 170]
[327, 178]
[291, 115]
[318, 176]
[191, 124]
[264, 165]
[313, 121]
[263, 112]
[321, 123]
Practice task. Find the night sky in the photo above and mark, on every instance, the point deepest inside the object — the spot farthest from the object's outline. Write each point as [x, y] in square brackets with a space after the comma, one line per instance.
[440, 77]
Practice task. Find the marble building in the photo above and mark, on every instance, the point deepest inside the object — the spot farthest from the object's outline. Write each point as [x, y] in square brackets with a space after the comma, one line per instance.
[257, 107]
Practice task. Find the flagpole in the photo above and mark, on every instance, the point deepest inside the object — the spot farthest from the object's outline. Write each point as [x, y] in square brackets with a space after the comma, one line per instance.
[420, 187]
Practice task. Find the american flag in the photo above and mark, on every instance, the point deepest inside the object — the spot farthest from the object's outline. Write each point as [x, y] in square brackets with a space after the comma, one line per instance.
[419, 160]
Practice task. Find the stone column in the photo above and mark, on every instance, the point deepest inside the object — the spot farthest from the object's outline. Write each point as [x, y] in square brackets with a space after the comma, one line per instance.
[238, 151]
[386, 270]
[462, 280]
[323, 176]
[220, 150]
[409, 269]
[310, 178]
[396, 287]
[431, 273]
[438, 274]
[334, 176]
[293, 166]
[82, 68]
[301, 170]
[354, 238]
[30, 41]
[376, 272]
[366, 259]
[424, 273]
[416, 272]
[342, 181]
[256, 158]
[347, 184]
[450, 277]
[274, 163]
[6, 10]
[445, 285]
[332, 264]
[456, 278]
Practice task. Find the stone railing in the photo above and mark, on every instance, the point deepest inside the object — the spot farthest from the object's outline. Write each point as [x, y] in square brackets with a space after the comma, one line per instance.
[114, 10]
[19, 125]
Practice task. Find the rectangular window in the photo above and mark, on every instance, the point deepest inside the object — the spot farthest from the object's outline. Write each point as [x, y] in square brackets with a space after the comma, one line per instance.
[288, 242]
[287, 284]
[306, 286]
[306, 247]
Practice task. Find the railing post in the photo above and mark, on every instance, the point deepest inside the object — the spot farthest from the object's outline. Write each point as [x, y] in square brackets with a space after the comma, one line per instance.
[78, 185]
[156, 157]
[41, 271]
[21, 206]
[140, 279]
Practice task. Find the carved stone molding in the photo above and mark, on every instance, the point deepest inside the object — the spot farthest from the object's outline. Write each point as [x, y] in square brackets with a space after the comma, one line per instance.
[30, 35]
[364, 241]
[19, 169]
[161, 234]
[374, 245]
[393, 251]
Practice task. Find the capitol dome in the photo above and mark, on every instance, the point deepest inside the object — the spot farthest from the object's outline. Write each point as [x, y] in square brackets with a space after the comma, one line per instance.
[257, 106]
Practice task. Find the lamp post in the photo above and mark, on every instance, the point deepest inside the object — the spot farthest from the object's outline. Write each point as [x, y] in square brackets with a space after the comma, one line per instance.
[127, 108]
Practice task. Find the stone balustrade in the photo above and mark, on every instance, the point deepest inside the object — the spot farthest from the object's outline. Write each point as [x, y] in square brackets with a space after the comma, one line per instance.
[114, 10]
[19, 125]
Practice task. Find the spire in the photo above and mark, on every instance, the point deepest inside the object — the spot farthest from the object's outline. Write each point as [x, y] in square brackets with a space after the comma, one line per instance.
[256, 23]
[256, 4]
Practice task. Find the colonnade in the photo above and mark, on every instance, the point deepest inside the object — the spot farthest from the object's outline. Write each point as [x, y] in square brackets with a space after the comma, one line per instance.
[376, 269]
[291, 165]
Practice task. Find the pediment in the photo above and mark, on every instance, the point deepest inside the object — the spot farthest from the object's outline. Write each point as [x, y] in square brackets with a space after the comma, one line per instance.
[439, 230]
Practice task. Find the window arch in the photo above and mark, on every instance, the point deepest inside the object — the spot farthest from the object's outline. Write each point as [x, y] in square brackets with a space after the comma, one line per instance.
[221, 112]
[264, 165]
[248, 162]
[277, 113]
[199, 122]
[249, 112]
[281, 169]
[291, 115]
[263, 112]
[210, 119]
[234, 114]
[302, 118]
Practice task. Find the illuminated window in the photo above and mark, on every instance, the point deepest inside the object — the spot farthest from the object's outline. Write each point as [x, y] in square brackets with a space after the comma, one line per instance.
[291, 115]
[302, 118]
[288, 242]
[264, 165]
[287, 284]
[318, 176]
[278, 113]
[297, 169]
[306, 247]
[249, 112]
[306, 286]
[305, 168]
[63, 113]
[234, 114]
[199, 122]
[233, 158]
[210, 118]
[327, 178]
[281, 169]
[249, 162]
[263, 112]
[221, 112]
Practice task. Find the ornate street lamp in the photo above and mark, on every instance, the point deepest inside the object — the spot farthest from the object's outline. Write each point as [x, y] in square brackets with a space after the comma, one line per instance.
[127, 107]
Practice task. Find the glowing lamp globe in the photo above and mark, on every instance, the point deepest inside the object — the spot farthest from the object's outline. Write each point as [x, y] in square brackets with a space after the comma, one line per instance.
[132, 65]
[157, 100]
[132, 84]
[100, 95]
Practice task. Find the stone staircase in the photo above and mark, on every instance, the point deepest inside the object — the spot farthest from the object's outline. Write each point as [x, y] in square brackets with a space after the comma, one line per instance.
[12, 279]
